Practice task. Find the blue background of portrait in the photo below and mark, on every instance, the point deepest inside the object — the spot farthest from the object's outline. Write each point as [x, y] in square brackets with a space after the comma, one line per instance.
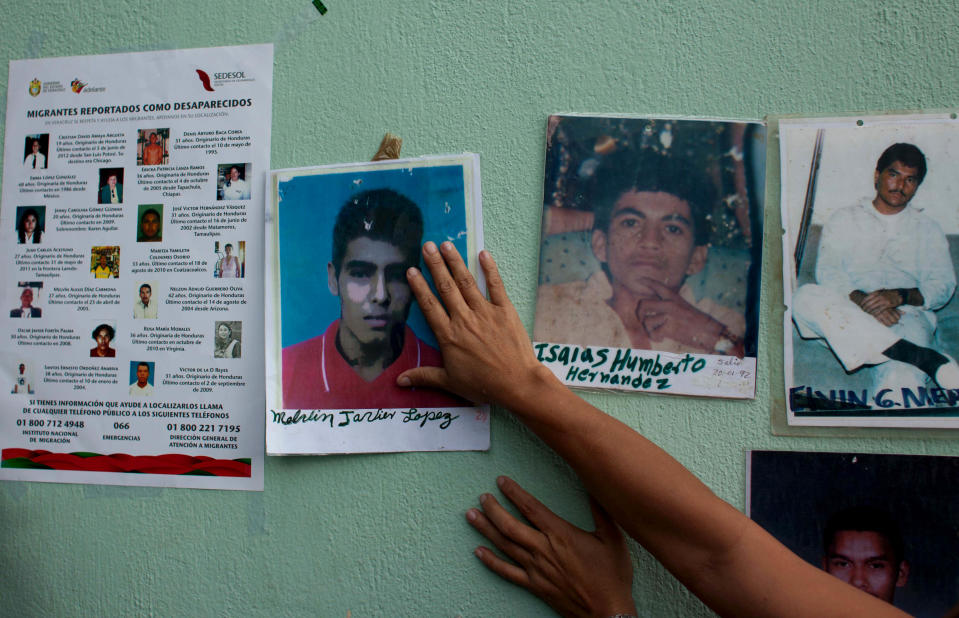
[307, 209]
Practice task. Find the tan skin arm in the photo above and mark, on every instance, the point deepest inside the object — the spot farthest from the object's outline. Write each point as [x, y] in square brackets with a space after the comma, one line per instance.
[729, 562]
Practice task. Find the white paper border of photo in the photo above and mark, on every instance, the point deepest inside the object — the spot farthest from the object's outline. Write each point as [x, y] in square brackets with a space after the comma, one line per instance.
[328, 432]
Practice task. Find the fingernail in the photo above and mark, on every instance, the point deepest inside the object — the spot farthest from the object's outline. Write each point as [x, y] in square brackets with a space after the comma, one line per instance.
[430, 247]
[484, 498]
[500, 481]
[403, 381]
[447, 246]
[478, 552]
[412, 272]
[471, 515]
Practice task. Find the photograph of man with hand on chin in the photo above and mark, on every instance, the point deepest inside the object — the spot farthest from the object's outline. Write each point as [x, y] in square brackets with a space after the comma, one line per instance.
[648, 247]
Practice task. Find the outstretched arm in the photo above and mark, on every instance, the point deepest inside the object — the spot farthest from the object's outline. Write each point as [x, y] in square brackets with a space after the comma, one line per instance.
[724, 558]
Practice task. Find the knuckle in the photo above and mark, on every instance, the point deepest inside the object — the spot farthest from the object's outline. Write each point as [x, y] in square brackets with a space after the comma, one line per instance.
[465, 281]
[427, 303]
[445, 286]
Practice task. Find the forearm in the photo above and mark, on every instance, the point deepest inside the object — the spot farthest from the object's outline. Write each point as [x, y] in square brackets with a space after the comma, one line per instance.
[651, 495]
[717, 552]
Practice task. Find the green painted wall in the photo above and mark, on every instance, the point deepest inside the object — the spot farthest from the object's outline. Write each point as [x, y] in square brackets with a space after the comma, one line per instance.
[385, 534]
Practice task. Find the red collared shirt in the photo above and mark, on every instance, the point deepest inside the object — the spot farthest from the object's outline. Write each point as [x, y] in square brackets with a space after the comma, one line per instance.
[316, 376]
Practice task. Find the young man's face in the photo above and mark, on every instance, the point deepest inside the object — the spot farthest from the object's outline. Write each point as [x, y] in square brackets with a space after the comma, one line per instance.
[35, 146]
[866, 560]
[234, 174]
[150, 225]
[145, 294]
[895, 186]
[153, 138]
[143, 374]
[650, 236]
[374, 295]
[26, 298]
[103, 261]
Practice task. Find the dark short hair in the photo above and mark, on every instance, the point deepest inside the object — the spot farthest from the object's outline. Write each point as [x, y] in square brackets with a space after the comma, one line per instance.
[865, 519]
[227, 245]
[628, 171]
[145, 285]
[907, 154]
[153, 133]
[148, 211]
[110, 332]
[379, 214]
[143, 364]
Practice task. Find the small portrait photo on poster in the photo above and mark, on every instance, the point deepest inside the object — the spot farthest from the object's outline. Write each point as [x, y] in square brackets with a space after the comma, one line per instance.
[650, 255]
[31, 221]
[145, 305]
[227, 336]
[103, 336]
[349, 323]
[150, 223]
[105, 262]
[870, 250]
[230, 259]
[141, 378]
[35, 151]
[233, 181]
[885, 524]
[22, 379]
[28, 298]
[110, 186]
[152, 146]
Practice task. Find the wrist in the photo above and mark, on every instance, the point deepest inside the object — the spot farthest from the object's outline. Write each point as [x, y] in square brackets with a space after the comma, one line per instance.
[529, 388]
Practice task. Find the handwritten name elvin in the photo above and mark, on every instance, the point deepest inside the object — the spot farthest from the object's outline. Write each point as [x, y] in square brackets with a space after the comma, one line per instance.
[809, 397]
[346, 417]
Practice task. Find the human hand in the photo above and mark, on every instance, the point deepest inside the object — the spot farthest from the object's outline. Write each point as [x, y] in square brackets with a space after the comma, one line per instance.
[668, 315]
[578, 573]
[879, 304]
[487, 355]
[880, 300]
[887, 317]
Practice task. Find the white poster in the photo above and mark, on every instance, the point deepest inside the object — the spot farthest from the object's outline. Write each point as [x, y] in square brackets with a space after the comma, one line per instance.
[131, 221]
[342, 322]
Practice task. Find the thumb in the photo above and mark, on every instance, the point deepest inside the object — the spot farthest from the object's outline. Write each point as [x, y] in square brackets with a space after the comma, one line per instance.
[430, 377]
[606, 527]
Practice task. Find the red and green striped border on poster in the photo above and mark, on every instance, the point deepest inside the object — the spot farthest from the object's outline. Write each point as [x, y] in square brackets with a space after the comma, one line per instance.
[173, 463]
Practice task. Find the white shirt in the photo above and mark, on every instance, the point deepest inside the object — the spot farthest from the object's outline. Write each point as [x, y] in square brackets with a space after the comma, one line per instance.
[29, 240]
[862, 249]
[40, 158]
[146, 391]
[237, 190]
[142, 311]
